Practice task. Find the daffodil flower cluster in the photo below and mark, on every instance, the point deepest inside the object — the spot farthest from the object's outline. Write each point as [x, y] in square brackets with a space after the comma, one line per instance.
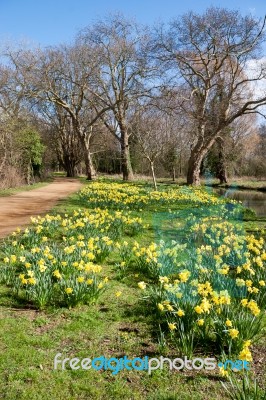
[213, 289]
[136, 197]
[56, 260]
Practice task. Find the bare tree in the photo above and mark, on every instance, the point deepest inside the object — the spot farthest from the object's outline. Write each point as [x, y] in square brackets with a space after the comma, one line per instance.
[17, 132]
[64, 77]
[123, 69]
[210, 55]
[155, 132]
[62, 136]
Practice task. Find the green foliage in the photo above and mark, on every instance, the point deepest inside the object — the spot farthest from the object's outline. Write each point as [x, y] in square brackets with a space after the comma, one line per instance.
[246, 389]
[28, 141]
[249, 214]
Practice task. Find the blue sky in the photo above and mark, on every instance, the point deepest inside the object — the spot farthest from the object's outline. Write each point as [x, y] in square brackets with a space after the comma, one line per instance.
[49, 22]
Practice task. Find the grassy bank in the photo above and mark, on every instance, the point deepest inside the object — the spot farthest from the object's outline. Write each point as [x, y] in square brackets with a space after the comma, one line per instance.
[245, 184]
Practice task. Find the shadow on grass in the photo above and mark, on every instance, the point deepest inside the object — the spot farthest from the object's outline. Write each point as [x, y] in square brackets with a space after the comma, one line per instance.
[11, 300]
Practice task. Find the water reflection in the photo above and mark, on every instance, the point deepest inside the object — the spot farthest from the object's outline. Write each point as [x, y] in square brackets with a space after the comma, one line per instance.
[250, 198]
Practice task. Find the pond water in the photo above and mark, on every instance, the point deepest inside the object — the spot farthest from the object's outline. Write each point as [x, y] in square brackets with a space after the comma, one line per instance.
[250, 198]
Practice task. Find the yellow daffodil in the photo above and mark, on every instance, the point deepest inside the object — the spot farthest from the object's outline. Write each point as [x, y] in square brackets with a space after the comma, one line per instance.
[172, 326]
[233, 333]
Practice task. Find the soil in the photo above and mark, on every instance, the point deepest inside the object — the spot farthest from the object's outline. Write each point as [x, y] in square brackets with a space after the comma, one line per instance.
[16, 210]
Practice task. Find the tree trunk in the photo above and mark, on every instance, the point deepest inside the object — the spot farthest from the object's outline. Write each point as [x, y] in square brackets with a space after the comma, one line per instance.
[173, 174]
[90, 170]
[28, 177]
[195, 160]
[125, 156]
[70, 167]
[193, 174]
[153, 175]
[71, 173]
[221, 167]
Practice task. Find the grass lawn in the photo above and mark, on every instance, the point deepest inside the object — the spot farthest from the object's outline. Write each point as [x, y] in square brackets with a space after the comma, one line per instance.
[247, 183]
[31, 339]
[113, 327]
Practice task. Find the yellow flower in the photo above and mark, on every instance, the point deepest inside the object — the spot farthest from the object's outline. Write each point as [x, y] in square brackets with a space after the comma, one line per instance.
[204, 288]
[172, 327]
[228, 323]
[90, 256]
[142, 285]
[163, 279]
[200, 322]
[160, 306]
[223, 271]
[57, 274]
[198, 310]
[13, 258]
[118, 294]
[169, 307]
[233, 333]
[244, 302]
[252, 305]
[180, 313]
[224, 299]
[32, 281]
[240, 282]
[184, 275]
[69, 290]
[223, 372]
[245, 354]
[80, 279]
[205, 305]
[262, 283]
[100, 285]
[89, 281]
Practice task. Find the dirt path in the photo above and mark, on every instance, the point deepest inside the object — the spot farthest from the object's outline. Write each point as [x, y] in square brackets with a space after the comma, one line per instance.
[16, 210]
